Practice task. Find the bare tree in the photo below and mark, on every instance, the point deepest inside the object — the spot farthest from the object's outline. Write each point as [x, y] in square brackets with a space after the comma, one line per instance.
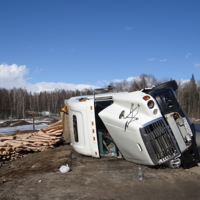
[17, 101]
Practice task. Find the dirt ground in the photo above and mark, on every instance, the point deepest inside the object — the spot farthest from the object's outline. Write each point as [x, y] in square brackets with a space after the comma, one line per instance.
[37, 176]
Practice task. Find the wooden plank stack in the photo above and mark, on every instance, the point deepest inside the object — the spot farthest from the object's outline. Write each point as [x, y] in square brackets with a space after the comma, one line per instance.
[19, 145]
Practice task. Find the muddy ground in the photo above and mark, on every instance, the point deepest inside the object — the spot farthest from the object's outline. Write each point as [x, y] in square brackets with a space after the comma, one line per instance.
[37, 176]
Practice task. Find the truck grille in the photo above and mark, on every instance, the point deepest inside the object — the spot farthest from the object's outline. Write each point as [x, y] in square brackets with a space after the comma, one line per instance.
[159, 142]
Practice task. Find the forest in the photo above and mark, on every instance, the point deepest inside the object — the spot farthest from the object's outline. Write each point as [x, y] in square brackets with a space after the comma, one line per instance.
[18, 102]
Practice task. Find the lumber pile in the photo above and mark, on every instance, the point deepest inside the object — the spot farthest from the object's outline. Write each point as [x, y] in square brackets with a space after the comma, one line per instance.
[19, 145]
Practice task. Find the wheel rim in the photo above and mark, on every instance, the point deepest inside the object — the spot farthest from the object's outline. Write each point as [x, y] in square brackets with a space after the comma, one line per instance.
[176, 163]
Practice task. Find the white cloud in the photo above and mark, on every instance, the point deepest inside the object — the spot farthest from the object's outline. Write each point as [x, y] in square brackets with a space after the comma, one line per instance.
[128, 28]
[181, 82]
[37, 70]
[117, 80]
[103, 83]
[14, 76]
[164, 60]
[12, 71]
[50, 86]
[197, 65]
[151, 59]
[188, 55]
[129, 79]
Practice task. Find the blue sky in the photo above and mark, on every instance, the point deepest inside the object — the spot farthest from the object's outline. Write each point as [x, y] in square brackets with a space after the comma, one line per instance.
[72, 44]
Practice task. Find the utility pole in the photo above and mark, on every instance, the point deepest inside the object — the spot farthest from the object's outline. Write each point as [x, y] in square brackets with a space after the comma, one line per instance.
[33, 114]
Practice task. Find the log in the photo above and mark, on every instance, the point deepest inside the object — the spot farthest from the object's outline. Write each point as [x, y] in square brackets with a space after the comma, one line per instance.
[54, 129]
[24, 136]
[6, 148]
[24, 142]
[51, 134]
[14, 141]
[3, 144]
[44, 135]
[11, 147]
[41, 139]
[7, 137]
[54, 133]
[57, 124]
[59, 131]
[40, 132]
[16, 144]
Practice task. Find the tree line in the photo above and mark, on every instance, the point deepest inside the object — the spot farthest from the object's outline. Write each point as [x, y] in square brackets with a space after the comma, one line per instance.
[18, 102]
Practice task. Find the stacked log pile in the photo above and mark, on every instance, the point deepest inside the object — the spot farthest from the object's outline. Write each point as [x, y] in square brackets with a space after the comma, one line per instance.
[19, 145]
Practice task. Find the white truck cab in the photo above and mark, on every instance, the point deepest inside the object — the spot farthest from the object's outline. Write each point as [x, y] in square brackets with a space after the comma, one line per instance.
[146, 127]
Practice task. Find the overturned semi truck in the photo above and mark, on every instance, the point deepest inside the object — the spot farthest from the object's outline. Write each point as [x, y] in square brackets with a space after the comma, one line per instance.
[146, 127]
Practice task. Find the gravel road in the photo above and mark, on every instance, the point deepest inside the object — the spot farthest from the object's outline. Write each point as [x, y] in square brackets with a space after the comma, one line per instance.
[37, 176]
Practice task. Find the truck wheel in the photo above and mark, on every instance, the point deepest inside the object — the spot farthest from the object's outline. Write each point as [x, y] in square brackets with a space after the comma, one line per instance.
[171, 84]
[175, 163]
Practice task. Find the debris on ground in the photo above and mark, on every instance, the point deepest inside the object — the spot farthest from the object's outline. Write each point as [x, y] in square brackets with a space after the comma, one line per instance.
[14, 123]
[64, 168]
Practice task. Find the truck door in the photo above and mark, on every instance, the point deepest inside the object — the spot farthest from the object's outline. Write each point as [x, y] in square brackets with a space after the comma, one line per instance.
[107, 147]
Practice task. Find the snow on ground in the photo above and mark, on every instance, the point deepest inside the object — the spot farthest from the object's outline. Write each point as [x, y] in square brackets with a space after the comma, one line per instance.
[21, 128]
[46, 120]
[39, 123]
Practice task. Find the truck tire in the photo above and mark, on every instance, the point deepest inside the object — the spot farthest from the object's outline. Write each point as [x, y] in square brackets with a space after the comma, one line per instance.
[175, 163]
[171, 84]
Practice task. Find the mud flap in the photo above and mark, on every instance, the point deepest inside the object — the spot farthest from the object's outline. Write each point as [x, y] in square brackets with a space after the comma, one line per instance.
[190, 157]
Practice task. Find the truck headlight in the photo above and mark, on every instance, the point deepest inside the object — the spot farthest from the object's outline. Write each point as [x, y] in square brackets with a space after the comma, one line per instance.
[155, 111]
[150, 104]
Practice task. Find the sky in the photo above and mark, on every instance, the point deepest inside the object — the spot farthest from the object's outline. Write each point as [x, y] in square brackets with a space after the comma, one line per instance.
[77, 44]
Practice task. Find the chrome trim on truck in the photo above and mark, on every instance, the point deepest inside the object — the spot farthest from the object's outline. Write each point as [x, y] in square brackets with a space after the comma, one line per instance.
[159, 142]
